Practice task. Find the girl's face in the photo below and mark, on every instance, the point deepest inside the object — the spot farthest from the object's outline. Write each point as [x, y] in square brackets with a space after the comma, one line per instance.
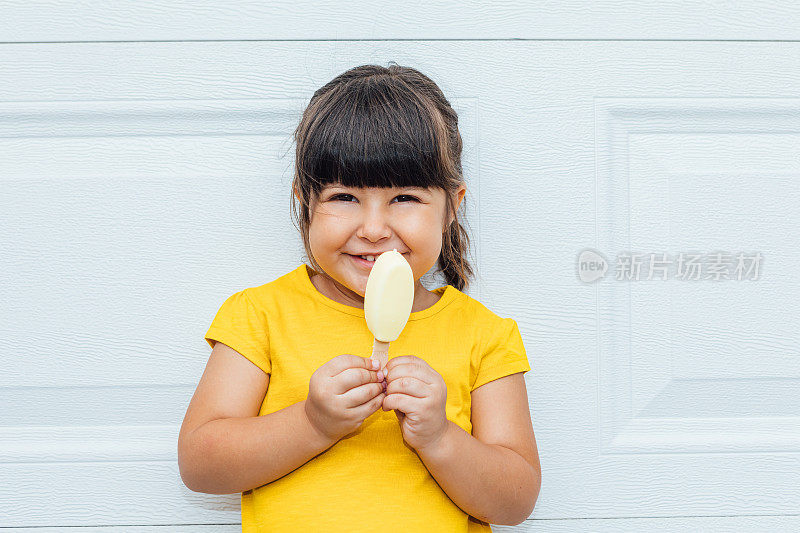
[350, 221]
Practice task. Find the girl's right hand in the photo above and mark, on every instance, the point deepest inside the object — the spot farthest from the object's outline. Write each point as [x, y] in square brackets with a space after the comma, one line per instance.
[342, 393]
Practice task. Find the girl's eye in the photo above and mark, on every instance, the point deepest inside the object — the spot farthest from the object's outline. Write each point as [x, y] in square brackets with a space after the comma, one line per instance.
[345, 197]
[408, 196]
[339, 196]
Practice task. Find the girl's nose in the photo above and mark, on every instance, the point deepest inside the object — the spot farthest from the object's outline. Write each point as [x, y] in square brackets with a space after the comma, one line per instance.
[374, 226]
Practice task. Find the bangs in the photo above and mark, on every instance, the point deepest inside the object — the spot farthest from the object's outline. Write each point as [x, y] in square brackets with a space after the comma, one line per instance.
[373, 136]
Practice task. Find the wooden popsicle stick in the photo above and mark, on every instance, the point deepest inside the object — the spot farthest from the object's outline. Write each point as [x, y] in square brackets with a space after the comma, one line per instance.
[380, 353]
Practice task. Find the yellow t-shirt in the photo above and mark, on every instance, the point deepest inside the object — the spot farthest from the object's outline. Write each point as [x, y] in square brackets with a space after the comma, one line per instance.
[370, 480]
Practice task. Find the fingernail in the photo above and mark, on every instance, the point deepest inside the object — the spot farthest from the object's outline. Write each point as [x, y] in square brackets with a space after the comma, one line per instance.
[380, 375]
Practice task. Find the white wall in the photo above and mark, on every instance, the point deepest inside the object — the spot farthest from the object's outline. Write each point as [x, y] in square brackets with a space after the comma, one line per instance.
[145, 161]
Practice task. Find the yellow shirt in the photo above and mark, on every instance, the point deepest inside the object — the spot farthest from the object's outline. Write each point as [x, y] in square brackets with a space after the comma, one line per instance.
[370, 480]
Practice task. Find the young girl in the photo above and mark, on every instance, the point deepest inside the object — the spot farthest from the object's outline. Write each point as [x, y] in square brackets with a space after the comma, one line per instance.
[290, 411]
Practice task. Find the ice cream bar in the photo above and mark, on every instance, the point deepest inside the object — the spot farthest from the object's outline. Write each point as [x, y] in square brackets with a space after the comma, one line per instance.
[387, 301]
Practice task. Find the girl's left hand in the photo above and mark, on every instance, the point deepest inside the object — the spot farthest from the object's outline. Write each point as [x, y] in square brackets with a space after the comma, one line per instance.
[418, 395]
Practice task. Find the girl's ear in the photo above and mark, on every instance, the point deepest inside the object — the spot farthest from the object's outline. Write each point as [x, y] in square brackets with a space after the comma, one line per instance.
[458, 196]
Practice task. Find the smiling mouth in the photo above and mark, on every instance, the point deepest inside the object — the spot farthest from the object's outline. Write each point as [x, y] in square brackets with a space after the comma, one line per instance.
[374, 255]
[365, 263]
[362, 262]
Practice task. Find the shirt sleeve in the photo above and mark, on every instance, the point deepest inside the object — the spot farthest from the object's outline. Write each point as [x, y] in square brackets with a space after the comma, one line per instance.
[503, 355]
[242, 326]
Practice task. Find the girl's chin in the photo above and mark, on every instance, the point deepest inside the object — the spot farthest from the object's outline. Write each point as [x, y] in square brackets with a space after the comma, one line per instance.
[359, 287]
[358, 290]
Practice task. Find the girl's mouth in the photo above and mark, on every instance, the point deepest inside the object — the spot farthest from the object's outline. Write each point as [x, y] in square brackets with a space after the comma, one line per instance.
[362, 262]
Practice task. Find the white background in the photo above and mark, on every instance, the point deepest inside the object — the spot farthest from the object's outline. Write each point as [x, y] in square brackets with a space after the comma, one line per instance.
[145, 162]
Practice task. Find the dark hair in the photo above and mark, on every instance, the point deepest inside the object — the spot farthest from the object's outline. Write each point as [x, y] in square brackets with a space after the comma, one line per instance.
[375, 126]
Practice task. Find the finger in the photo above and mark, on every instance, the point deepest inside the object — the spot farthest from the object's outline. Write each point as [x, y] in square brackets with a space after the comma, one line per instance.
[342, 362]
[365, 410]
[403, 359]
[351, 378]
[358, 396]
[409, 385]
[401, 402]
[415, 370]
[381, 360]
[407, 360]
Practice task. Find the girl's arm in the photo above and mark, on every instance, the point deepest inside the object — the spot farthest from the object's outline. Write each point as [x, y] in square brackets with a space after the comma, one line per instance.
[231, 455]
[223, 447]
[495, 483]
